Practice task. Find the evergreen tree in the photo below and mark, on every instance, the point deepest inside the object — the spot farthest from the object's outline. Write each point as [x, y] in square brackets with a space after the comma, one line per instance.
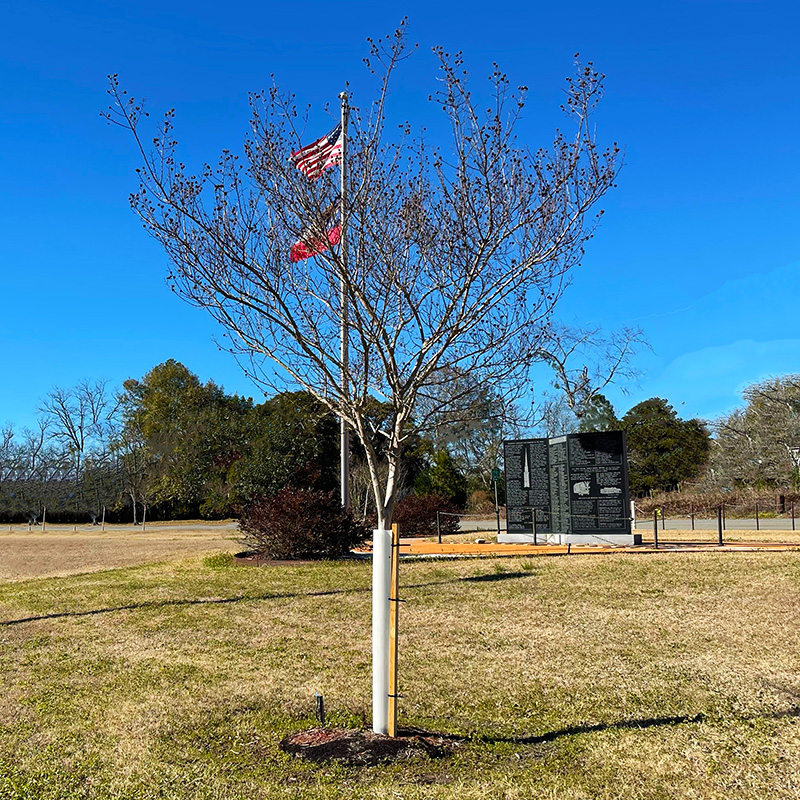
[598, 415]
[663, 449]
[443, 477]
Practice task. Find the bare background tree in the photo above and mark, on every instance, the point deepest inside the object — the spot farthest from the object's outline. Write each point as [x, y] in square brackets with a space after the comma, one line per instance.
[758, 445]
[470, 421]
[79, 419]
[584, 361]
[458, 256]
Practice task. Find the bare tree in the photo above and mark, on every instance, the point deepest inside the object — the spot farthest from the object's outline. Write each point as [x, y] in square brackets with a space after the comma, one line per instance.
[553, 415]
[8, 453]
[138, 467]
[584, 362]
[79, 418]
[759, 443]
[458, 256]
[32, 471]
[470, 420]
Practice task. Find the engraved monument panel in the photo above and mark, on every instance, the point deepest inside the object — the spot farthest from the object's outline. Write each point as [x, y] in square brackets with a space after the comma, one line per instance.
[575, 484]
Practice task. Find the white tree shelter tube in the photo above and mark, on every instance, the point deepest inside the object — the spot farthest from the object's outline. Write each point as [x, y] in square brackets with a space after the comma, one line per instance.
[381, 578]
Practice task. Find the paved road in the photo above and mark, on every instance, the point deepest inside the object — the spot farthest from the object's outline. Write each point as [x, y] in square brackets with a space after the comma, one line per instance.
[468, 524]
[678, 524]
[685, 524]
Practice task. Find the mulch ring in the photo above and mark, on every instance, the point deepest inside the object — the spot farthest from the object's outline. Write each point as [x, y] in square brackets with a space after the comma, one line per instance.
[250, 559]
[362, 748]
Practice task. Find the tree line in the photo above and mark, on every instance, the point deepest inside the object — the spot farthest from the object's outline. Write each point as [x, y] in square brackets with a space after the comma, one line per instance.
[170, 446]
[754, 447]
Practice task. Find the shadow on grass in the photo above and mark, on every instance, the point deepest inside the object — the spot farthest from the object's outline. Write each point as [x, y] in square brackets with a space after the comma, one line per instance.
[250, 598]
[628, 724]
[495, 576]
[635, 724]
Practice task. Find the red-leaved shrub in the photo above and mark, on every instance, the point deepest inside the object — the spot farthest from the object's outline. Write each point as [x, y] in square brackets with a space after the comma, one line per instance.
[300, 523]
[415, 515]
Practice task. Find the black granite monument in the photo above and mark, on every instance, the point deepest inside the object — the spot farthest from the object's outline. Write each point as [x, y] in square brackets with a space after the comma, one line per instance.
[575, 485]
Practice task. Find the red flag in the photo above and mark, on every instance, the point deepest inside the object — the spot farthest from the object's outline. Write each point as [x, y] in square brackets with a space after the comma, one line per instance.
[315, 158]
[306, 248]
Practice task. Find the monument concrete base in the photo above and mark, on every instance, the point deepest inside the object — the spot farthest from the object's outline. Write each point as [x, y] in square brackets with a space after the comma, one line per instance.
[615, 539]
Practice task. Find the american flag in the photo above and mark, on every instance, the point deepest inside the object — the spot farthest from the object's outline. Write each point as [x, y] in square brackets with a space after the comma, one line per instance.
[315, 158]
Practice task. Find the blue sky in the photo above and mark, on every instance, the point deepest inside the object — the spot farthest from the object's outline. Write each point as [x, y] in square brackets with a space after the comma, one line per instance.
[700, 244]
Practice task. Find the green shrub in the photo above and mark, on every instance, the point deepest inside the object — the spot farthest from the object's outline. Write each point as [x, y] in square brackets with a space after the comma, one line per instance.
[443, 478]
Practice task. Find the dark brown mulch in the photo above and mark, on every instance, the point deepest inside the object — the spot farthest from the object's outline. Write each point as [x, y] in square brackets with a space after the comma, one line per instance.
[365, 748]
[248, 559]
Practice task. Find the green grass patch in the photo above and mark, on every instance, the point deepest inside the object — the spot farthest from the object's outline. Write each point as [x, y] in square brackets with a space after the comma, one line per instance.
[219, 561]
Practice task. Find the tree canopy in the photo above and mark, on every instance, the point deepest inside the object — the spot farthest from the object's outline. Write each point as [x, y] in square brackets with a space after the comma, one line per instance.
[598, 415]
[457, 256]
[663, 449]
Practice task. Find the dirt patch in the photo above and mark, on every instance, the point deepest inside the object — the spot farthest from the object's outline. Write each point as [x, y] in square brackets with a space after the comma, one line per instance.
[365, 748]
[249, 559]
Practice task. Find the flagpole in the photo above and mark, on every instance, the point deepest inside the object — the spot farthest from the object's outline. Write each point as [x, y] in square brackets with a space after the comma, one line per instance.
[344, 433]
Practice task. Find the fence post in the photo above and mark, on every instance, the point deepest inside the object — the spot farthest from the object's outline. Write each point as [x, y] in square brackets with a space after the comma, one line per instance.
[719, 525]
[663, 519]
[724, 517]
[692, 514]
[792, 514]
[758, 528]
[655, 529]
[496, 508]
[438, 528]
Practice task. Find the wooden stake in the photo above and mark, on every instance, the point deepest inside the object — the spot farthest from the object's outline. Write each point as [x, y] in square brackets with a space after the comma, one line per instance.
[144, 515]
[394, 608]
[104, 518]
[44, 519]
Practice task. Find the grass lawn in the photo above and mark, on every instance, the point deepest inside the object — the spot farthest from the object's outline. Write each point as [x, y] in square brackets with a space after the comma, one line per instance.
[68, 549]
[729, 535]
[622, 676]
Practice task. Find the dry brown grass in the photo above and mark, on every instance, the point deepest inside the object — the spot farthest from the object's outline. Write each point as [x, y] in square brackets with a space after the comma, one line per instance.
[729, 535]
[62, 551]
[628, 676]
